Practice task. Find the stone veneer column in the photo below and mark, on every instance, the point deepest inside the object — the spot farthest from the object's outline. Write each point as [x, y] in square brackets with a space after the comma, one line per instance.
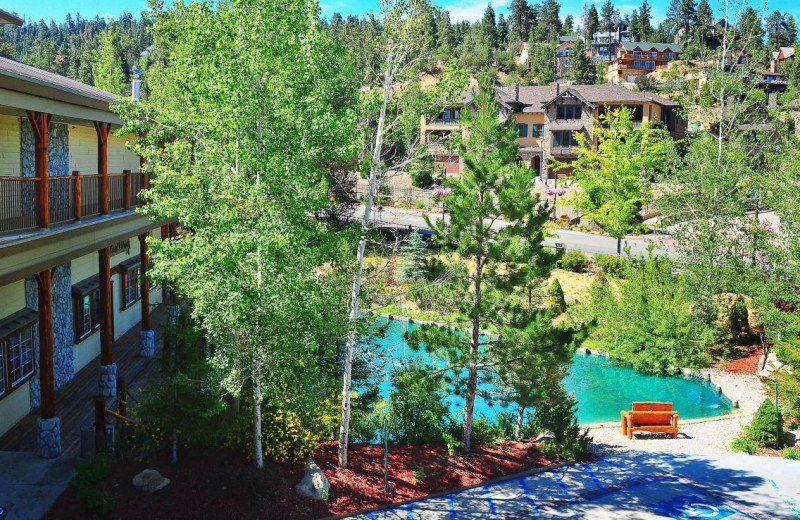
[108, 380]
[49, 437]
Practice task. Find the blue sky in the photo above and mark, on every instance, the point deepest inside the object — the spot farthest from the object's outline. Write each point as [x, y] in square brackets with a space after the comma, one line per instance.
[459, 9]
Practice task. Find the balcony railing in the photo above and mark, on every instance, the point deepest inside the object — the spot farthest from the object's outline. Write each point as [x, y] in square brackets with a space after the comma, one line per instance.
[69, 198]
[443, 122]
[563, 150]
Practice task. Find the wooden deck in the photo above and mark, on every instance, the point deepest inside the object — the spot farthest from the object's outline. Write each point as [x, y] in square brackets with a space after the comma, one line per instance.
[74, 402]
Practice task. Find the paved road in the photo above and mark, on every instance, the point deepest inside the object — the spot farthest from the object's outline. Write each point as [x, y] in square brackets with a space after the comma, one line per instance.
[586, 242]
[632, 485]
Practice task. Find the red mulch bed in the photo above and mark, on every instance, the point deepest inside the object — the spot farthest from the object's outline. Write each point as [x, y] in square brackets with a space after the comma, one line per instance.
[745, 363]
[221, 483]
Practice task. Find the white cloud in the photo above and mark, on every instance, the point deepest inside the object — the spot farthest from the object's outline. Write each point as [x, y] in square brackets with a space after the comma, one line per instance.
[472, 10]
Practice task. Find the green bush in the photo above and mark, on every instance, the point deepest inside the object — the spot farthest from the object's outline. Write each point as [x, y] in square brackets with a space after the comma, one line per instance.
[767, 427]
[611, 265]
[559, 419]
[738, 322]
[487, 432]
[418, 412]
[574, 261]
[791, 454]
[555, 297]
[87, 474]
[742, 443]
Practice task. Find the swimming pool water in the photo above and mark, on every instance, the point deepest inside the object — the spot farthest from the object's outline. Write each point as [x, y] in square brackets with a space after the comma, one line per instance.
[602, 387]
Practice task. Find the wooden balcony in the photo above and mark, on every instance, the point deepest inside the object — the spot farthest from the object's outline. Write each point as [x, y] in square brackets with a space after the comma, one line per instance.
[24, 205]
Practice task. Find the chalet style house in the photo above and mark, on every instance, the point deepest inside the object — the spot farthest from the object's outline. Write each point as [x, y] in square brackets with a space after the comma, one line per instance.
[634, 59]
[548, 117]
[72, 247]
[563, 51]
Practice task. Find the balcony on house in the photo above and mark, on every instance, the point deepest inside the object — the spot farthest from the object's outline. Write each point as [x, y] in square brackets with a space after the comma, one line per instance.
[26, 204]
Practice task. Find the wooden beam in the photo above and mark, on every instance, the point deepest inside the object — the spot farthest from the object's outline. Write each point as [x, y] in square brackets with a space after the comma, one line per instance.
[40, 122]
[78, 199]
[145, 283]
[44, 283]
[101, 129]
[106, 334]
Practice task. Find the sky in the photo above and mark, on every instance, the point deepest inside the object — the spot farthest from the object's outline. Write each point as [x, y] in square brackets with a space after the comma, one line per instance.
[471, 10]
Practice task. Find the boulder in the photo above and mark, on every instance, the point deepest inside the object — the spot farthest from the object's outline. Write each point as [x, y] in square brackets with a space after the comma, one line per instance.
[150, 481]
[791, 437]
[314, 484]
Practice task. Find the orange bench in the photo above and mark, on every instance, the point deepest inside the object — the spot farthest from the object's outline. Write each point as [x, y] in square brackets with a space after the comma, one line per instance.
[652, 416]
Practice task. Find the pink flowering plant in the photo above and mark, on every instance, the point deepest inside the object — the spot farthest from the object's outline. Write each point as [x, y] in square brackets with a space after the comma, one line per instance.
[441, 192]
[555, 191]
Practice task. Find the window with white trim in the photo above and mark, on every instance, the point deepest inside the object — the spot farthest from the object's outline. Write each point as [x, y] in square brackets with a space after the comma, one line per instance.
[17, 362]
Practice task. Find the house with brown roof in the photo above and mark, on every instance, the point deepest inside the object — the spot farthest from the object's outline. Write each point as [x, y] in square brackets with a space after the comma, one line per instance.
[73, 249]
[634, 59]
[563, 51]
[548, 117]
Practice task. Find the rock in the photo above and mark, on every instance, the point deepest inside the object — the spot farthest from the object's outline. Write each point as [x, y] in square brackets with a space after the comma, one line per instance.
[791, 437]
[314, 484]
[546, 437]
[150, 481]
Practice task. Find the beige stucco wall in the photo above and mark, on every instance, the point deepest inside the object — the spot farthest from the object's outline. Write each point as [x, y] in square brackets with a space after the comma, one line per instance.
[14, 407]
[12, 298]
[83, 152]
[529, 119]
[10, 164]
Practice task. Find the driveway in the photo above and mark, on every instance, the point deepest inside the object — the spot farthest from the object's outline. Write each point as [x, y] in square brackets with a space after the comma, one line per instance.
[630, 485]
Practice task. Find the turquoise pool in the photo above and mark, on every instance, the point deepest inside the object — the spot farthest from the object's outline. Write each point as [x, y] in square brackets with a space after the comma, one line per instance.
[602, 387]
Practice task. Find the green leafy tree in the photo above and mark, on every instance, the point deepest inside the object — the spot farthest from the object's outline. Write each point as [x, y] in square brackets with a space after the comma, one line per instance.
[252, 263]
[493, 186]
[614, 175]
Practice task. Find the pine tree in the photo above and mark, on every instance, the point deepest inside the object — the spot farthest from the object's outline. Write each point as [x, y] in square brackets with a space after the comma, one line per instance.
[489, 28]
[413, 254]
[703, 23]
[556, 301]
[569, 25]
[502, 32]
[781, 30]
[633, 25]
[644, 26]
[593, 24]
[107, 65]
[608, 15]
[548, 26]
[687, 14]
[518, 22]
[750, 27]
[581, 70]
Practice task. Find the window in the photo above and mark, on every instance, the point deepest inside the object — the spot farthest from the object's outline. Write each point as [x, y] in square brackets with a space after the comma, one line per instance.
[566, 63]
[568, 112]
[569, 49]
[16, 349]
[671, 55]
[86, 307]
[653, 54]
[560, 53]
[536, 130]
[131, 287]
[637, 54]
[564, 139]
[522, 129]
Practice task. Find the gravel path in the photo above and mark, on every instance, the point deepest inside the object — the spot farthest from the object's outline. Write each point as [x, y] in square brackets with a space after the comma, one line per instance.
[695, 436]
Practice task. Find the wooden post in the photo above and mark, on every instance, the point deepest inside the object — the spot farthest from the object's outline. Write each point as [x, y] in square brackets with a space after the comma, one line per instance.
[78, 208]
[144, 282]
[106, 334]
[102, 163]
[127, 189]
[145, 177]
[40, 121]
[122, 402]
[44, 284]
[100, 424]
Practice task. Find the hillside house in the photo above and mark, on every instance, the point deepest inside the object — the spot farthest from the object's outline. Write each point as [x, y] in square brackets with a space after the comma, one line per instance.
[634, 59]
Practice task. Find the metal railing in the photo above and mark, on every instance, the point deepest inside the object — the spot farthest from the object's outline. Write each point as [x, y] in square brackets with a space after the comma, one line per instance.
[24, 206]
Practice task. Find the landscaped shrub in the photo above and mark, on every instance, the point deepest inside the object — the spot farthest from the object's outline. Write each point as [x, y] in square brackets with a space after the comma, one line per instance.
[560, 420]
[574, 261]
[739, 322]
[87, 475]
[650, 324]
[791, 454]
[413, 254]
[611, 265]
[767, 427]
[742, 443]
[555, 297]
[418, 412]
[487, 432]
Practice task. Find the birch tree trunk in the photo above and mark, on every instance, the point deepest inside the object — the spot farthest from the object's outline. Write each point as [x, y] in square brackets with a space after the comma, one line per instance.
[374, 177]
[520, 422]
[258, 454]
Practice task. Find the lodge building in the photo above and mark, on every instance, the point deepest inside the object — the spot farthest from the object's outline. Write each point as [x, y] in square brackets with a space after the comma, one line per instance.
[72, 247]
[547, 119]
